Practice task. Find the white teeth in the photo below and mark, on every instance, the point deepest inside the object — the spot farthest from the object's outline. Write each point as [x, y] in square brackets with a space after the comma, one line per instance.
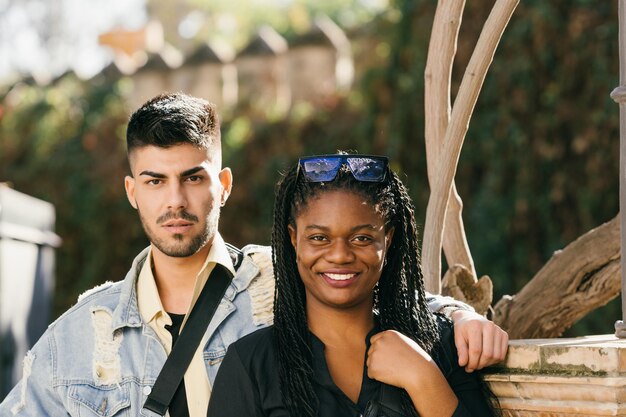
[339, 277]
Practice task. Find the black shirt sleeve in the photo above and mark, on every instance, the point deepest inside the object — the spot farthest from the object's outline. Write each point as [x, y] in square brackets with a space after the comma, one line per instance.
[471, 391]
[247, 383]
[233, 391]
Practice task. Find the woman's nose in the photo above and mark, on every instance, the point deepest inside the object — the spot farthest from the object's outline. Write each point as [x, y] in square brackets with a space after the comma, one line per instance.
[340, 252]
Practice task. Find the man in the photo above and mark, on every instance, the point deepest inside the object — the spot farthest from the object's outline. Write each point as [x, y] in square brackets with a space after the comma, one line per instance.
[104, 354]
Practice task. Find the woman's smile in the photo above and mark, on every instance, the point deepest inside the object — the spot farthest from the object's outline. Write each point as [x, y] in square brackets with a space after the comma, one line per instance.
[340, 242]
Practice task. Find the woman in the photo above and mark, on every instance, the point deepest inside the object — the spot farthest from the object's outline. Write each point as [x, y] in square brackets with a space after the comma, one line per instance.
[350, 336]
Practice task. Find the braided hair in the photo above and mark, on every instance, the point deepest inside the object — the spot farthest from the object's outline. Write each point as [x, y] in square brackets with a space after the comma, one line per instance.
[399, 296]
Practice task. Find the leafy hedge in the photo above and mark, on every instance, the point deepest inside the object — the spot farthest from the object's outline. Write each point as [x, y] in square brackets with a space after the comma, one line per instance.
[539, 166]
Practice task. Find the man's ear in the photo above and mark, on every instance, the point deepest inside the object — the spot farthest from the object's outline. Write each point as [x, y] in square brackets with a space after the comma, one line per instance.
[293, 236]
[226, 179]
[129, 185]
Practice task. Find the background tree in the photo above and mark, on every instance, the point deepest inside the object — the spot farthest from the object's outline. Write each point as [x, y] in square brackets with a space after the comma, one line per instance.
[538, 169]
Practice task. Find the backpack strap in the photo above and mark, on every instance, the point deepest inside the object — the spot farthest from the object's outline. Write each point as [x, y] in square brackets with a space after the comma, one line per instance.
[236, 255]
[178, 361]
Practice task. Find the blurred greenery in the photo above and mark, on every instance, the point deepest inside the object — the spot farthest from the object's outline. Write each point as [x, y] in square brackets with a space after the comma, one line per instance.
[539, 166]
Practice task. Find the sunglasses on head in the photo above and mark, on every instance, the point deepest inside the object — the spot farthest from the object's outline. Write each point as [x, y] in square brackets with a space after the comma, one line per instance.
[324, 168]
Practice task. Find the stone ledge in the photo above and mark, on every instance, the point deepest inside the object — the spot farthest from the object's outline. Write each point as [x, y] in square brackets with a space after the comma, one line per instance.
[603, 355]
[575, 377]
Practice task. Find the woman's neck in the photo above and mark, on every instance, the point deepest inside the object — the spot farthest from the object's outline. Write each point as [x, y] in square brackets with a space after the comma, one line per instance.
[333, 325]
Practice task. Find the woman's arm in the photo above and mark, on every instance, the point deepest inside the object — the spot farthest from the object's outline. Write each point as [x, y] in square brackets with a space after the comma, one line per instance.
[397, 360]
[437, 389]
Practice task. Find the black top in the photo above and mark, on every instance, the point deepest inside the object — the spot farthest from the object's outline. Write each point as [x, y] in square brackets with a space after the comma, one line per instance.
[178, 406]
[247, 383]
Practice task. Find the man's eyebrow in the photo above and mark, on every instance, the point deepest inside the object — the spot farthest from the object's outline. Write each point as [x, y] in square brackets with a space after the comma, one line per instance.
[185, 173]
[152, 174]
[191, 171]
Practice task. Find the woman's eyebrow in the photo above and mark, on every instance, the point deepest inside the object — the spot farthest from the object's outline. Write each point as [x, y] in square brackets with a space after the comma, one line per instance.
[355, 228]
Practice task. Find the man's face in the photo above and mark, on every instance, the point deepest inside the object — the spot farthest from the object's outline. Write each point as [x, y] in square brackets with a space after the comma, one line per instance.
[178, 192]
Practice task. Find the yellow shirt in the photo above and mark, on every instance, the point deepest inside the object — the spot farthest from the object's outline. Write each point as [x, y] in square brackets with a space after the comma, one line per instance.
[151, 309]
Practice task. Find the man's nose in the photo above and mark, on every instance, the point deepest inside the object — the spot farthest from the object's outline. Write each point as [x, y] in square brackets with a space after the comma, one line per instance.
[176, 198]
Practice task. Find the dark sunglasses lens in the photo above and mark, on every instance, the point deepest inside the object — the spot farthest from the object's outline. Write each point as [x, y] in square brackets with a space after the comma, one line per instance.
[320, 169]
[367, 169]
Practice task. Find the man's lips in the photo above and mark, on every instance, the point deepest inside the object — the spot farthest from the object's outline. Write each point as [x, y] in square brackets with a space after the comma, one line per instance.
[177, 226]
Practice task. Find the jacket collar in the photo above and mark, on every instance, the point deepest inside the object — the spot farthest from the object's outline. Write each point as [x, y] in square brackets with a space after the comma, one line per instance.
[126, 313]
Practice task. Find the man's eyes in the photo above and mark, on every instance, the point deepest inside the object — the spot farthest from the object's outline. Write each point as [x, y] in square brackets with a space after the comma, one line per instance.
[190, 179]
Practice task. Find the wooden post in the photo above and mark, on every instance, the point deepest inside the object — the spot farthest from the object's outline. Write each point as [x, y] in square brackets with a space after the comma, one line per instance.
[453, 141]
[619, 95]
[441, 51]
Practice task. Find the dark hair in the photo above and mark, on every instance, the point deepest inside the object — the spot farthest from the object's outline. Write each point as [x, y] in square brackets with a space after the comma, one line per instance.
[172, 119]
[399, 296]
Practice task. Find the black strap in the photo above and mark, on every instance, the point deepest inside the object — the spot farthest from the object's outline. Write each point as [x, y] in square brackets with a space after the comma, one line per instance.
[391, 399]
[236, 255]
[387, 404]
[179, 359]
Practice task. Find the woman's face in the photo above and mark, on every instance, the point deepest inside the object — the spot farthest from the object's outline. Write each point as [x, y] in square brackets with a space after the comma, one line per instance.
[340, 245]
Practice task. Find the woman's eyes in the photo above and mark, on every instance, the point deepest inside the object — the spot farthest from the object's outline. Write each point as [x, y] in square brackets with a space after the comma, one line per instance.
[360, 239]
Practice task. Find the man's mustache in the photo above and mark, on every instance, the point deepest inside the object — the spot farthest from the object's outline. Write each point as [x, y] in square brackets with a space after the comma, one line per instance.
[177, 215]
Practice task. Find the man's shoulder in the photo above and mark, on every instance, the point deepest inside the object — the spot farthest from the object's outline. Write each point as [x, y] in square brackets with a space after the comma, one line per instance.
[105, 295]
[259, 250]
[255, 277]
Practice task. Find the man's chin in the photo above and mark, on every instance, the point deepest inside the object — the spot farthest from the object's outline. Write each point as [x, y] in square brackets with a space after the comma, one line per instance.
[181, 250]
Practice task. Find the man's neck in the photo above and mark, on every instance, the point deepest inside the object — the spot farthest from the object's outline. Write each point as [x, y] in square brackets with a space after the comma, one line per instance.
[176, 278]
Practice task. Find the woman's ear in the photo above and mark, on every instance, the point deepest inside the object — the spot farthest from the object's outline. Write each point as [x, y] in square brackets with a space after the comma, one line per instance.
[389, 237]
[293, 236]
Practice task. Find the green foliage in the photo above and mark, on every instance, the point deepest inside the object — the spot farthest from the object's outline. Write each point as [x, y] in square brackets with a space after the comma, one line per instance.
[234, 21]
[62, 144]
[539, 166]
[540, 162]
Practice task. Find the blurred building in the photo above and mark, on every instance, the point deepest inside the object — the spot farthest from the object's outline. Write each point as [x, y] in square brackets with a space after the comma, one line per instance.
[268, 73]
[27, 243]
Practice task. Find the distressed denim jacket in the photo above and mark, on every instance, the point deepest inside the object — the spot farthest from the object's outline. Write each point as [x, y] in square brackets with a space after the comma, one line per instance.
[100, 358]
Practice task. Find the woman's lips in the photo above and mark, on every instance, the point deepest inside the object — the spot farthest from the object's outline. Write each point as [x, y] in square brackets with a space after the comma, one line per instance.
[339, 280]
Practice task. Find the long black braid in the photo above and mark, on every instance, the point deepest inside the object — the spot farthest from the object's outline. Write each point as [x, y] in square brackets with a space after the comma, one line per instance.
[398, 297]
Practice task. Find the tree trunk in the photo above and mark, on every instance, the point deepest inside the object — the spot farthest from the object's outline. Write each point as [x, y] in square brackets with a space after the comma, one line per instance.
[446, 163]
[576, 280]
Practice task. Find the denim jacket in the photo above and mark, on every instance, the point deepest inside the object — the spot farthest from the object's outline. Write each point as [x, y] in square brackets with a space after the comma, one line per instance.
[100, 358]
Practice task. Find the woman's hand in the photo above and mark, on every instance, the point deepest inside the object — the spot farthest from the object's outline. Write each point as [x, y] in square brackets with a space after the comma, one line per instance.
[398, 360]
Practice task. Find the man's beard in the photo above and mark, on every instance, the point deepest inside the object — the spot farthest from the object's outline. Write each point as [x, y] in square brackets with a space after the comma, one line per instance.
[179, 248]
